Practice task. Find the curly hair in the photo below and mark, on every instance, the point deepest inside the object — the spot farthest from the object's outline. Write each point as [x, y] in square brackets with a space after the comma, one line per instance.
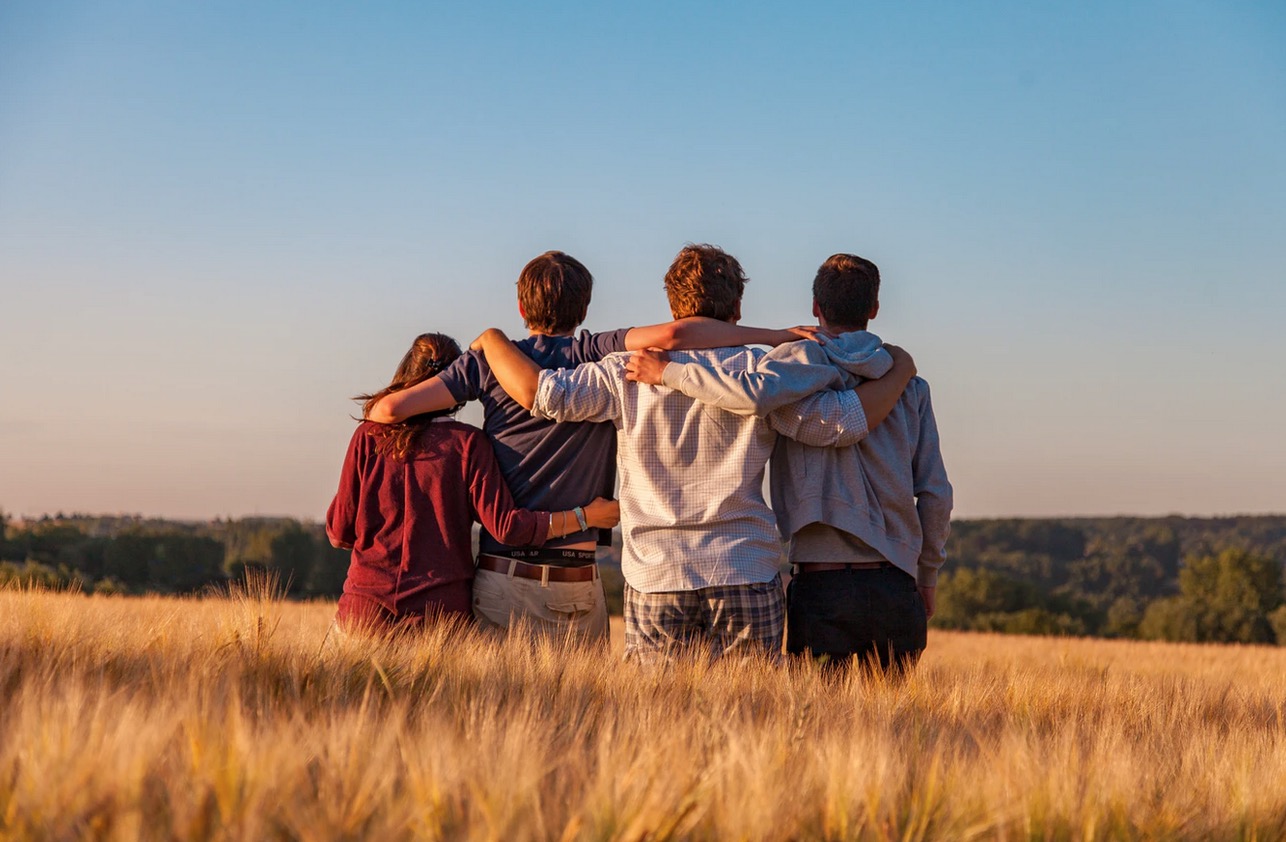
[429, 354]
[704, 280]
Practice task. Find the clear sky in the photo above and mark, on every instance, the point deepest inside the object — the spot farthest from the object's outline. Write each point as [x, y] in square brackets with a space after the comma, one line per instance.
[219, 220]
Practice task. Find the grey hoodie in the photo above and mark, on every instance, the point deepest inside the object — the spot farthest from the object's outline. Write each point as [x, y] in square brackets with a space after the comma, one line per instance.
[889, 490]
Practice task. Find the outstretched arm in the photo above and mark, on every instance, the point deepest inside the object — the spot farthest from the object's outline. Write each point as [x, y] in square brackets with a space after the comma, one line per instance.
[516, 372]
[702, 332]
[774, 384]
[430, 395]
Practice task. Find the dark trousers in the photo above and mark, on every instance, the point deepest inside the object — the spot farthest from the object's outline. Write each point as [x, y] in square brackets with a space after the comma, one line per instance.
[875, 616]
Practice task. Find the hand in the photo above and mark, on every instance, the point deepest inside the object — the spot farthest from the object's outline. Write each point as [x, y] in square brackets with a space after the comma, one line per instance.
[491, 334]
[647, 366]
[901, 360]
[603, 513]
[930, 597]
[798, 332]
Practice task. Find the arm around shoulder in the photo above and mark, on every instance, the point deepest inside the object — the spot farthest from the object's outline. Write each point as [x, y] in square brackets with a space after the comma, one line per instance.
[431, 395]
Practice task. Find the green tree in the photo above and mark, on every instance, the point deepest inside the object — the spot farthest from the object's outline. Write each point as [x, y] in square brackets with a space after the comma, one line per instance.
[1277, 619]
[293, 553]
[330, 568]
[1231, 595]
[1226, 598]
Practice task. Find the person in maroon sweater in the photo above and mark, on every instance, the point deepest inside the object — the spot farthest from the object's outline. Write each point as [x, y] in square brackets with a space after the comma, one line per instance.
[408, 496]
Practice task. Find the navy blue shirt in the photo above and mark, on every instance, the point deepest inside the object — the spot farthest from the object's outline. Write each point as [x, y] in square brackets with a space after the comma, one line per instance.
[547, 466]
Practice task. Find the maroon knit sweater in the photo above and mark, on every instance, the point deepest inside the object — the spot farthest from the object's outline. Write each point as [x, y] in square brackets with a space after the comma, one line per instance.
[410, 522]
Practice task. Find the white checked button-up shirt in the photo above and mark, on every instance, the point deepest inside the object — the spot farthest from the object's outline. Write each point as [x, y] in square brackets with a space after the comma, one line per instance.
[693, 514]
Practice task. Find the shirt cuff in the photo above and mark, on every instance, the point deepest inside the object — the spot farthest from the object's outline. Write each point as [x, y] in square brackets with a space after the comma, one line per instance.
[672, 375]
[549, 393]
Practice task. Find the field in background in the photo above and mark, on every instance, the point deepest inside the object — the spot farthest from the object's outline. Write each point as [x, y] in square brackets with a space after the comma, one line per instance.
[243, 718]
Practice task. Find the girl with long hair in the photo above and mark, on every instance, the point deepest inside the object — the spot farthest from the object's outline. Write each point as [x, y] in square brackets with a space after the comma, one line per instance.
[408, 496]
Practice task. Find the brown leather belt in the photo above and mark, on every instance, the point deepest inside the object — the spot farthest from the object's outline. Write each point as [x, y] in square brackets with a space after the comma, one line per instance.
[824, 566]
[542, 572]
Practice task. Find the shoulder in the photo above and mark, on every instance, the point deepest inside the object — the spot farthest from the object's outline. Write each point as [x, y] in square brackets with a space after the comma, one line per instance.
[450, 428]
[368, 429]
[917, 390]
[801, 351]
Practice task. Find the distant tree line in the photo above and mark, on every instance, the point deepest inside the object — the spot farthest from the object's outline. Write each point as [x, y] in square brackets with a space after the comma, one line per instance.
[137, 555]
[1174, 578]
[1184, 579]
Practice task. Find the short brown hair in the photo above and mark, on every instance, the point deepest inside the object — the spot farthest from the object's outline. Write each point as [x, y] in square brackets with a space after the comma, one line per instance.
[704, 280]
[554, 291]
[846, 290]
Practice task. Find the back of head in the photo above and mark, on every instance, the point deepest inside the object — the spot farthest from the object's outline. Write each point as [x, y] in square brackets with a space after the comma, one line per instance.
[704, 280]
[554, 291]
[846, 290]
[428, 355]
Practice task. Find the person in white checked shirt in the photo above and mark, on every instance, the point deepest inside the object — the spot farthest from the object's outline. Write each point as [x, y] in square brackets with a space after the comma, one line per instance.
[701, 551]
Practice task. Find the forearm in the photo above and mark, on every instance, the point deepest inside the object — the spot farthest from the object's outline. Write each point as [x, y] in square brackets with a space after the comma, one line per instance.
[600, 514]
[516, 373]
[772, 384]
[878, 397]
[431, 395]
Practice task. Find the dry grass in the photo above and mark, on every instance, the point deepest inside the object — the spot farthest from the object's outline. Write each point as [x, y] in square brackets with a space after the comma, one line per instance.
[243, 718]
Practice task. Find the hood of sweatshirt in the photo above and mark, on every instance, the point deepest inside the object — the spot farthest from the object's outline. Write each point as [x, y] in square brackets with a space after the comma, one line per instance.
[860, 354]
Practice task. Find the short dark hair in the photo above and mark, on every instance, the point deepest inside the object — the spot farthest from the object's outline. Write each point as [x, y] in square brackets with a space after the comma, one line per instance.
[704, 280]
[554, 291]
[846, 290]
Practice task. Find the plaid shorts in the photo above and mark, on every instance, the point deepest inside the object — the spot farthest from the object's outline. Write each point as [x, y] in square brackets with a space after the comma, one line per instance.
[729, 620]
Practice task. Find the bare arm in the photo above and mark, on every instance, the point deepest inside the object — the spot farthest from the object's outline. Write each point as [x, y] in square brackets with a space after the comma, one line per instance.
[516, 372]
[701, 332]
[430, 395]
[880, 396]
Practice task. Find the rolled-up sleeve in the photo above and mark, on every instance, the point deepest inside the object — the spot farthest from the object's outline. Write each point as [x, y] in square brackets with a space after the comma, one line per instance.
[586, 393]
[785, 375]
[826, 419]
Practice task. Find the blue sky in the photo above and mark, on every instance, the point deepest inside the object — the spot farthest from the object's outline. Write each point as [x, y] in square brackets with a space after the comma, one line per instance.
[219, 220]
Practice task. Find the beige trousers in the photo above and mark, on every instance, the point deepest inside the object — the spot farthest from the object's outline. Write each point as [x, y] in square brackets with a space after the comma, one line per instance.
[573, 610]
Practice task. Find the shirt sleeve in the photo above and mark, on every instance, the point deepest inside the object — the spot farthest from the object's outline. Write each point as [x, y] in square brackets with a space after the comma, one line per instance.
[463, 377]
[592, 347]
[826, 419]
[933, 493]
[493, 504]
[341, 517]
[786, 374]
[586, 393]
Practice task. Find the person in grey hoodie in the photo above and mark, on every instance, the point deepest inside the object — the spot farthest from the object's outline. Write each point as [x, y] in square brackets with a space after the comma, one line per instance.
[867, 523]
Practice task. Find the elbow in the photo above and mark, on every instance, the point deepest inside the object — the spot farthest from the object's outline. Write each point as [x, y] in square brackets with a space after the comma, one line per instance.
[384, 411]
[338, 543]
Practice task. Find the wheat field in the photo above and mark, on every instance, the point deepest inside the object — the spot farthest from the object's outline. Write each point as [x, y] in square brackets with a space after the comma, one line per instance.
[243, 717]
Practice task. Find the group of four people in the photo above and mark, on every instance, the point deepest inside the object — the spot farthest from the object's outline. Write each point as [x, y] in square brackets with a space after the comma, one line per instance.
[858, 485]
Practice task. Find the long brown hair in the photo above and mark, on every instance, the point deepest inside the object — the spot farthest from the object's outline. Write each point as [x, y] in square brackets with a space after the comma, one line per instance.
[429, 354]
